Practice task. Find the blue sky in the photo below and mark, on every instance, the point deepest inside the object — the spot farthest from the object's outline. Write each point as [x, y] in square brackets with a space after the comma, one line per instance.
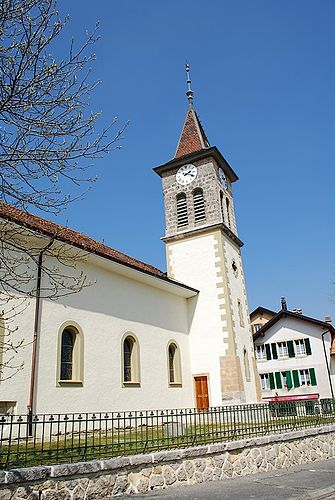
[263, 76]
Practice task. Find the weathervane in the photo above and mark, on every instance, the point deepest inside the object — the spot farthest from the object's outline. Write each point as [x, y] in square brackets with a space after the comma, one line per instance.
[189, 92]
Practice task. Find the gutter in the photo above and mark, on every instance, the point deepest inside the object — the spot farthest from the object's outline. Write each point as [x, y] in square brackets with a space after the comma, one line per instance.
[35, 337]
[56, 236]
[327, 364]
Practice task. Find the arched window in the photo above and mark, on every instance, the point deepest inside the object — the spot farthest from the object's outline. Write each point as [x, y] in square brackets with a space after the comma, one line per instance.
[66, 358]
[182, 217]
[71, 356]
[199, 205]
[131, 368]
[174, 364]
[221, 205]
[240, 312]
[172, 353]
[228, 211]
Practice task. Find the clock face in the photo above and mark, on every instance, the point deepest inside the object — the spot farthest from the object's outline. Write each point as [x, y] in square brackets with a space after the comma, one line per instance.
[223, 178]
[186, 174]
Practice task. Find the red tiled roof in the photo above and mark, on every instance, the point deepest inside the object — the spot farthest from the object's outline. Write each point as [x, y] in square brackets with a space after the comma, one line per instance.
[74, 238]
[192, 137]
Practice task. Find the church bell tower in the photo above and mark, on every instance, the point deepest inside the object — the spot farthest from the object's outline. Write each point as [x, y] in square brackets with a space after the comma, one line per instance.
[203, 250]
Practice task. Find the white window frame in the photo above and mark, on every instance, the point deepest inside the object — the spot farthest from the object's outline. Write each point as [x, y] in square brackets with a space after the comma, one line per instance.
[256, 327]
[77, 355]
[283, 376]
[305, 378]
[174, 364]
[260, 352]
[282, 349]
[7, 407]
[135, 367]
[300, 347]
[265, 381]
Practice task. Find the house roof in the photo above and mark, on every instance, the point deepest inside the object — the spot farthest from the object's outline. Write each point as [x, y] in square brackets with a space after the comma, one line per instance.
[288, 314]
[261, 310]
[79, 240]
[192, 137]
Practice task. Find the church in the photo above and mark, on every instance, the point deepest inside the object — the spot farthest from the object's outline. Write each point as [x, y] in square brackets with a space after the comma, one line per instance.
[139, 338]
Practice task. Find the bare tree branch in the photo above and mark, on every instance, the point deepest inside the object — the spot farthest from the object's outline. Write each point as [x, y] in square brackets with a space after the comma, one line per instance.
[48, 139]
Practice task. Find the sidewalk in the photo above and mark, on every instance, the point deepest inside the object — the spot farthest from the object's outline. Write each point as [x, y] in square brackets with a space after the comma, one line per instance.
[315, 480]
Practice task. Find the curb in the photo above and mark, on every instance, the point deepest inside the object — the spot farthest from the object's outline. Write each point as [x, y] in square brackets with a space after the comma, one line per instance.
[316, 494]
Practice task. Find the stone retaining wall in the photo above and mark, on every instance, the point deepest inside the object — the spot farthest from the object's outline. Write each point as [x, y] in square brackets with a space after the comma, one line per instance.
[141, 473]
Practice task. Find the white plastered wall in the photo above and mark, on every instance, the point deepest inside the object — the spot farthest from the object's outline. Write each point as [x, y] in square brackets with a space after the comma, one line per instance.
[192, 261]
[15, 384]
[104, 312]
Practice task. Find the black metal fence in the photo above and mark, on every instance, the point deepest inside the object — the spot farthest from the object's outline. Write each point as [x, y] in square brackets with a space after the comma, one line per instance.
[56, 438]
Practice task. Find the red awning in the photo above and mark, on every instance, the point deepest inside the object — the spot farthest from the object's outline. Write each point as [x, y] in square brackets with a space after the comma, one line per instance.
[282, 399]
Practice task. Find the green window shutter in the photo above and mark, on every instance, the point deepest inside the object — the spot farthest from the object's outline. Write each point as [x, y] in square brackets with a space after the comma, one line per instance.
[289, 380]
[308, 347]
[296, 380]
[290, 346]
[312, 375]
[274, 351]
[272, 381]
[278, 380]
[268, 351]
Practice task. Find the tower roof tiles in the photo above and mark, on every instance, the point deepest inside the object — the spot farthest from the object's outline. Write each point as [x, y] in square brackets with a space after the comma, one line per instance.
[192, 137]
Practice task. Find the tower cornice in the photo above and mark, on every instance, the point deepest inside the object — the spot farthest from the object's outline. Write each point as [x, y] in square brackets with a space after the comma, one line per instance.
[212, 152]
[205, 229]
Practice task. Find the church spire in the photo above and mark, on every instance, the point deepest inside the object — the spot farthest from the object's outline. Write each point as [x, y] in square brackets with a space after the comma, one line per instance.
[189, 92]
[192, 137]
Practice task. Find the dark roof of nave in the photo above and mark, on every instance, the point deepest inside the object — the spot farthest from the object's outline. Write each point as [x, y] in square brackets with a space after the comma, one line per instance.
[79, 240]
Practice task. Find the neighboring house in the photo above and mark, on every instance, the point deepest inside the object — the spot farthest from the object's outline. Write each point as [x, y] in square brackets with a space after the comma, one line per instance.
[139, 338]
[259, 317]
[294, 356]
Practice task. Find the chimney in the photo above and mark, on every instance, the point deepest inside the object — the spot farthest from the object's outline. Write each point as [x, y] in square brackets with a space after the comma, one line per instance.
[297, 310]
[283, 304]
[328, 319]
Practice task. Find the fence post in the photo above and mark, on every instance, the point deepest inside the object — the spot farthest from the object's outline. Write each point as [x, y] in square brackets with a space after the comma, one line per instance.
[30, 422]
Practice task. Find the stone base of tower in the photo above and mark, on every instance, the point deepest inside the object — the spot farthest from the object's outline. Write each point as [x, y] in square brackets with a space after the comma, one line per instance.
[232, 388]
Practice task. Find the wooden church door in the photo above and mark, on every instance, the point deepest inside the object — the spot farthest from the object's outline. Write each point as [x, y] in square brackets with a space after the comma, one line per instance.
[201, 392]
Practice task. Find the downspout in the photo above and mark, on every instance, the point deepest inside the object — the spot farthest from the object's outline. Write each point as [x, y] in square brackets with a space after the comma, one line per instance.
[327, 364]
[36, 328]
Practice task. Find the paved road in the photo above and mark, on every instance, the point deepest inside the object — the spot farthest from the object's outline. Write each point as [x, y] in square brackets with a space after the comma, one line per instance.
[310, 481]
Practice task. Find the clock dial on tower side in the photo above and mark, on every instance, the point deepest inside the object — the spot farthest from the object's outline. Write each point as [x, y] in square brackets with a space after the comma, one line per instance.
[223, 178]
[186, 174]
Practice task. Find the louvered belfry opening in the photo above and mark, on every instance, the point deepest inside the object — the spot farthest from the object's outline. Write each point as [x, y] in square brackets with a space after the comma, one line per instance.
[221, 204]
[228, 211]
[182, 217]
[199, 205]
